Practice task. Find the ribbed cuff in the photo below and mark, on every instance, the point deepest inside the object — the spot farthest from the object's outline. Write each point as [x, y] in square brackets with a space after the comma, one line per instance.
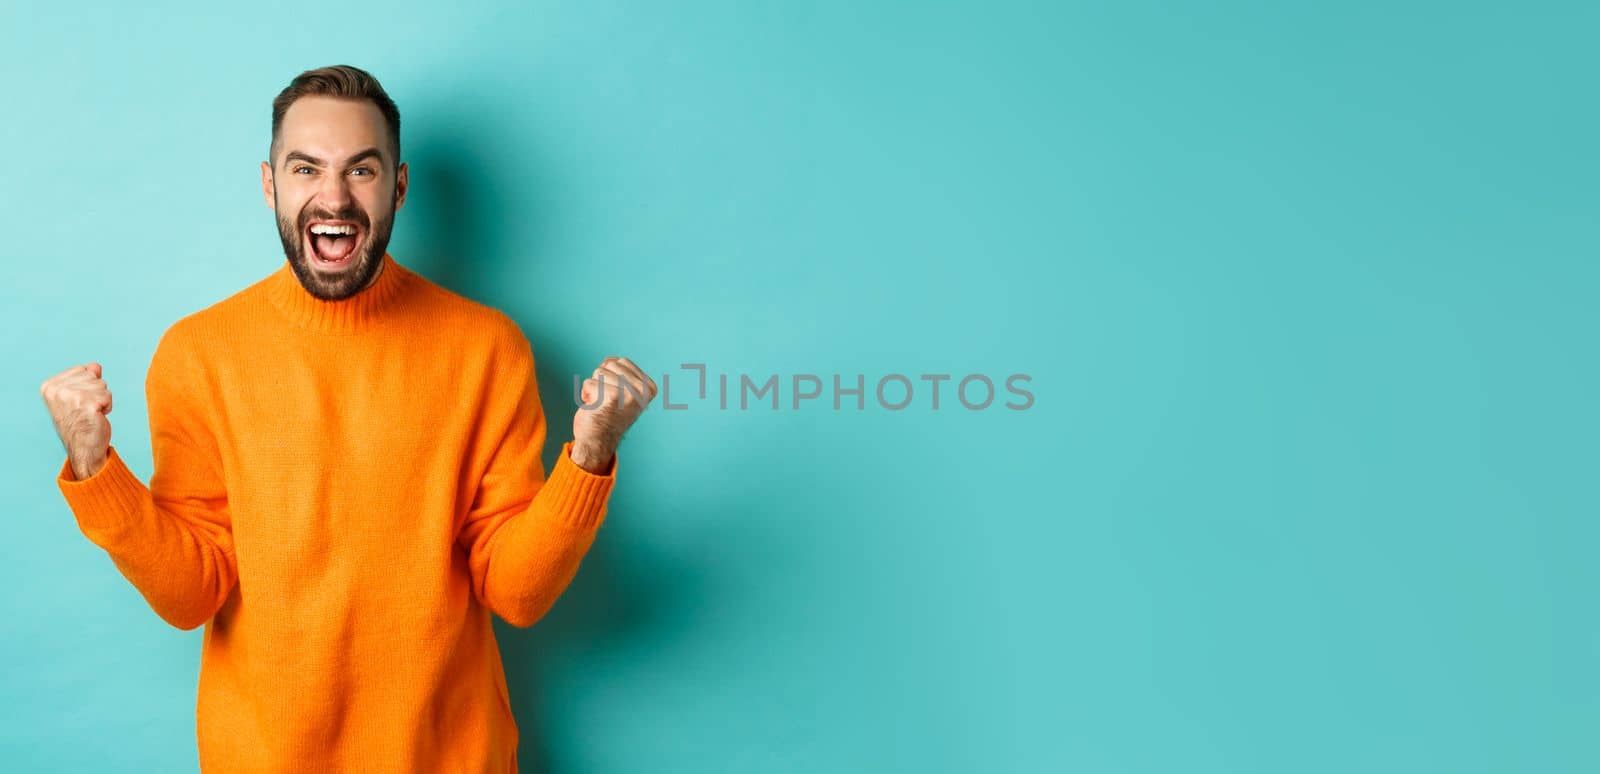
[105, 502]
[580, 497]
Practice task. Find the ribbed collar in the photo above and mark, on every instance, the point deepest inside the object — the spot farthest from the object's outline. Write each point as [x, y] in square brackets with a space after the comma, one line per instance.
[350, 314]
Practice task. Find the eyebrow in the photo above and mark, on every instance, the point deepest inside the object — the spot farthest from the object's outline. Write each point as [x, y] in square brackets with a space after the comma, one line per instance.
[306, 157]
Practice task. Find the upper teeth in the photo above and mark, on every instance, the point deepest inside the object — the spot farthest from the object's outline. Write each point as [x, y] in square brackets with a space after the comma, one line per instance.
[322, 228]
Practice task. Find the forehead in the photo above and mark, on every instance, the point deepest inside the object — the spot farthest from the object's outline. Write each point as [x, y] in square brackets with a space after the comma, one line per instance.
[332, 128]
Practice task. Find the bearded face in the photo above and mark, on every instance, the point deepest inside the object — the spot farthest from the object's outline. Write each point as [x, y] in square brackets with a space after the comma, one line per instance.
[334, 189]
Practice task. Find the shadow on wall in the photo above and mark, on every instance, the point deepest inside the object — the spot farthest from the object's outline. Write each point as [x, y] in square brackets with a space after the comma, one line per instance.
[486, 196]
[456, 214]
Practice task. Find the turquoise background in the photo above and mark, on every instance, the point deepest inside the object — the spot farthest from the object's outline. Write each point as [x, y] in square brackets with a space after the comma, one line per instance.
[1306, 292]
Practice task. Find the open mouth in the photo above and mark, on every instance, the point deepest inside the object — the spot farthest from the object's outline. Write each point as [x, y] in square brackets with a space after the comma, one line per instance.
[333, 243]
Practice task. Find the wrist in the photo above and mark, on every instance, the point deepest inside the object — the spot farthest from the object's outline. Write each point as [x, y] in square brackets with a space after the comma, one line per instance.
[86, 465]
[592, 457]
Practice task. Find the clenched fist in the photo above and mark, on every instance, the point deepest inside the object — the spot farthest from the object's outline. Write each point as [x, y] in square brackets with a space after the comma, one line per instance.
[611, 399]
[79, 401]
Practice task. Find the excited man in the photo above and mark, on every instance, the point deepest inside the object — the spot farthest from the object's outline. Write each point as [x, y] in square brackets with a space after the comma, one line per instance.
[346, 478]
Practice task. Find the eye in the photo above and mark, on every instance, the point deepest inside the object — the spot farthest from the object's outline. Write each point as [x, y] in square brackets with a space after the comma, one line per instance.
[301, 168]
[361, 169]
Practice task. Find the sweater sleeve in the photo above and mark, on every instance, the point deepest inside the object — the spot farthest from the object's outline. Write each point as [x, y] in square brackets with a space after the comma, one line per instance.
[525, 535]
[172, 540]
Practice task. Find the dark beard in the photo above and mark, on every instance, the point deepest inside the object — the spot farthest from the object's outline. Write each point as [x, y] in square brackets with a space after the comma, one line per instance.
[330, 286]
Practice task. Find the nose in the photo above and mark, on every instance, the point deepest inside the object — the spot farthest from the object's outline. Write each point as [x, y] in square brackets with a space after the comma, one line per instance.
[334, 193]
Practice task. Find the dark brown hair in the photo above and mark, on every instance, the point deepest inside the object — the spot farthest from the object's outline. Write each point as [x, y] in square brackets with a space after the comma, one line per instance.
[341, 81]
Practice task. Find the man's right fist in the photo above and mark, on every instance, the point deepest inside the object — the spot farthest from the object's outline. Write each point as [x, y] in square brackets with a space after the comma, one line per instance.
[79, 401]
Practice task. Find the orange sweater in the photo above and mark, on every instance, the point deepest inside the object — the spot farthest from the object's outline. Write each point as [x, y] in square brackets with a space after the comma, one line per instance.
[343, 491]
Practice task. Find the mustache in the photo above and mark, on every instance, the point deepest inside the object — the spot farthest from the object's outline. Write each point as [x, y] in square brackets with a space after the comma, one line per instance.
[349, 213]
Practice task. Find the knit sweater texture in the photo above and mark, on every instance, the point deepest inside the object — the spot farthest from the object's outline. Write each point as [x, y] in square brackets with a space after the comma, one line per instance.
[342, 492]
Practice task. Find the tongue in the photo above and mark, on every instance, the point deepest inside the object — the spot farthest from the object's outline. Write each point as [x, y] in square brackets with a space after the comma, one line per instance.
[334, 247]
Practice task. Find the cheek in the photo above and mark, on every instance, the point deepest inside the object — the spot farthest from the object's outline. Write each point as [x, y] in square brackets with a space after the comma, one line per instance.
[376, 208]
[373, 202]
[291, 202]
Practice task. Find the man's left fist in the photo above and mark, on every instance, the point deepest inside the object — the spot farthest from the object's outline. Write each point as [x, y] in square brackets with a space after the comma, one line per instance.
[611, 399]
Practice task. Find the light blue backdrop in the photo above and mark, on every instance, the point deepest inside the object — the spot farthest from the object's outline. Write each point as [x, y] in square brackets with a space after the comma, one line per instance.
[1306, 292]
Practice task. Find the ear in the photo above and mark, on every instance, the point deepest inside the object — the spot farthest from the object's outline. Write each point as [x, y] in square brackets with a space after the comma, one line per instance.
[401, 180]
[268, 191]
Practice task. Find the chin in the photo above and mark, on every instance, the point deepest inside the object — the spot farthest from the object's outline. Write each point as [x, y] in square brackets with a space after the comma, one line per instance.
[335, 284]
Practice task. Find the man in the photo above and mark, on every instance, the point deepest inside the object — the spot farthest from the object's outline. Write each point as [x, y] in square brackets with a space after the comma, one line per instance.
[347, 478]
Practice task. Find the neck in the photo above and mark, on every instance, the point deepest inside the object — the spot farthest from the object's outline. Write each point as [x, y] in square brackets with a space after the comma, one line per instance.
[375, 274]
[364, 309]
